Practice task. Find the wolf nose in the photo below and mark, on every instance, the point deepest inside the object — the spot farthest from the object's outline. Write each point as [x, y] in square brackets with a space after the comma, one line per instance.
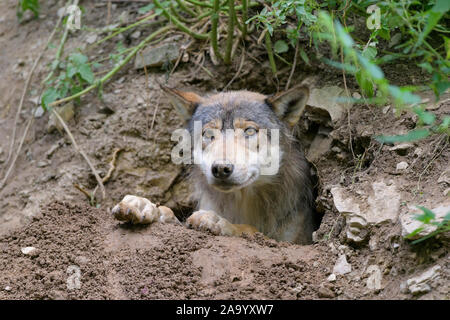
[222, 170]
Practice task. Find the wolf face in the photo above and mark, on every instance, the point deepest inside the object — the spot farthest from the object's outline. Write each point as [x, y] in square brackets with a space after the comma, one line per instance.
[242, 133]
[251, 170]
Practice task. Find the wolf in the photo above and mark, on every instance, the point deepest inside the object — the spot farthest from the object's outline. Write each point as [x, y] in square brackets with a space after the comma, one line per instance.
[234, 197]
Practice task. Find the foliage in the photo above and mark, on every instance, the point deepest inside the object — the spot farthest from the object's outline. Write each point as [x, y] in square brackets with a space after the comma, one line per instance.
[74, 73]
[24, 5]
[428, 218]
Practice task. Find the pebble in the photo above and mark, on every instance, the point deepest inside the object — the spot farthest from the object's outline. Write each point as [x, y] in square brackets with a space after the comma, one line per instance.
[136, 34]
[402, 165]
[356, 95]
[8, 288]
[29, 251]
[325, 293]
[331, 277]
[342, 266]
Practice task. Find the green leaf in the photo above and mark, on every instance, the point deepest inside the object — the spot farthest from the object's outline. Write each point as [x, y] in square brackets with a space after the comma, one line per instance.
[433, 17]
[50, 95]
[427, 215]
[413, 135]
[86, 73]
[78, 59]
[146, 8]
[424, 116]
[280, 46]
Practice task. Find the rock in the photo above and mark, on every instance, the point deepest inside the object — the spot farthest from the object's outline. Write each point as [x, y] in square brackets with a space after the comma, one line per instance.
[384, 203]
[136, 34]
[157, 56]
[66, 112]
[326, 99]
[421, 283]
[124, 18]
[445, 177]
[402, 166]
[331, 277]
[91, 38]
[325, 292]
[342, 266]
[381, 204]
[418, 152]
[38, 112]
[319, 146]
[356, 95]
[42, 164]
[386, 109]
[8, 288]
[30, 251]
[375, 277]
[402, 148]
[409, 224]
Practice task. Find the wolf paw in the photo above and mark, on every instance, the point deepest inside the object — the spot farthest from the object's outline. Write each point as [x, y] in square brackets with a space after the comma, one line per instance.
[210, 221]
[138, 210]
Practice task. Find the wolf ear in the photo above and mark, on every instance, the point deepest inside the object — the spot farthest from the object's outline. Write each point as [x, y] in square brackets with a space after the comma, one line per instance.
[289, 105]
[184, 102]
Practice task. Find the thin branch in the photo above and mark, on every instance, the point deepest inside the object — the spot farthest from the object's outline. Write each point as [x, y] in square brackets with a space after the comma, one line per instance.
[27, 84]
[113, 71]
[80, 151]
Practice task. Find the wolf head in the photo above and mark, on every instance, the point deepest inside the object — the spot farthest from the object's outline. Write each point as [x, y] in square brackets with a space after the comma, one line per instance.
[240, 132]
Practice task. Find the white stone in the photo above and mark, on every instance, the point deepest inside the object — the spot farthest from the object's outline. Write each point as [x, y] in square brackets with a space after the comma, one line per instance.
[386, 109]
[402, 165]
[331, 277]
[28, 250]
[38, 112]
[409, 224]
[382, 204]
[8, 288]
[342, 266]
[90, 39]
[356, 95]
[136, 34]
[326, 98]
[420, 284]
[445, 177]
[375, 277]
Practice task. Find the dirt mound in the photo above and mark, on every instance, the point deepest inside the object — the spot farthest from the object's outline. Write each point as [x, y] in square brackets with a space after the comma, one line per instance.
[114, 261]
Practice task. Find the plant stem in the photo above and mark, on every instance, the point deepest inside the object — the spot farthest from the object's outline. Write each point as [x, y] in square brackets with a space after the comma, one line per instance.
[270, 53]
[185, 8]
[213, 32]
[244, 18]
[125, 29]
[115, 70]
[230, 32]
[180, 25]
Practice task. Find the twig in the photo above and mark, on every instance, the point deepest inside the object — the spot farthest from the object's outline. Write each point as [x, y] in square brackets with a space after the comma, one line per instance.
[237, 73]
[79, 150]
[87, 194]
[25, 89]
[113, 71]
[16, 155]
[293, 67]
[112, 167]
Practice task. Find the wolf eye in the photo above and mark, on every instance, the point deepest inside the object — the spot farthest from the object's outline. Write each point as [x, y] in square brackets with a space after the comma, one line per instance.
[250, 131]
[208, 134]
